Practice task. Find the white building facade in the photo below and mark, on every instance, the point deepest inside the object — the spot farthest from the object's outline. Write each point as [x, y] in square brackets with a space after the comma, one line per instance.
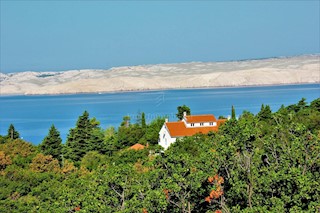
[165, 139]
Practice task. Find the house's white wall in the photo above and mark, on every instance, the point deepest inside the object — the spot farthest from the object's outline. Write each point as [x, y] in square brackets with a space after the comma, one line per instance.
[165, 140]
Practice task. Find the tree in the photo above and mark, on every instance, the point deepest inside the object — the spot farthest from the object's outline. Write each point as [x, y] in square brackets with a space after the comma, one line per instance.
[86, 136]
[51, 144]
[302, 103]
[110, 140]
[96, 141]
[3, 139]
[185, 168]
[233, 113]
[151, 135]
[129, 135]
[265, 112]
[79, 138]
[44, 163]
[12, 133]
[92, 160]
[4, 160]
[181, 110]
[143, 121]
[315, 104]
[126, 121]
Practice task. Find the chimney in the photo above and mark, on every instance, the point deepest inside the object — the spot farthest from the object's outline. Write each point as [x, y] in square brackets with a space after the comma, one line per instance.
[184, 114]
[166, 120]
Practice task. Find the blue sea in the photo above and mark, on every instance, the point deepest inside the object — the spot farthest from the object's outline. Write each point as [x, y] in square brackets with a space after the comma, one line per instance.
[32, 116]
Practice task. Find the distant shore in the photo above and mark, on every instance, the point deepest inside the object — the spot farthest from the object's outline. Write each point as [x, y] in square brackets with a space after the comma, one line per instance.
[158, 90]
[195, 75]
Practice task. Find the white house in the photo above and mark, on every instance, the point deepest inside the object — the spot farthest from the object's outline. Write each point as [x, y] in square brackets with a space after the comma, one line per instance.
[188, 126]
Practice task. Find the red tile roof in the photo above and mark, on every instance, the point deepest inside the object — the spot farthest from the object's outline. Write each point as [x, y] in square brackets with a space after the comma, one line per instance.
[137, 146]
[200, 118]
[179, 129]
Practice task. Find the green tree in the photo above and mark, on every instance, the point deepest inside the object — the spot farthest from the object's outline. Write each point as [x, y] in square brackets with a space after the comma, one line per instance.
[129, 135]
[302, 103]
[181, 110]
[110, 140]
[265, 112]
[3, 139]
[185, 168]
[152, 133]
[315, 104]
[52, 144]
[126, 121]
[86, 136]
[233, 113]
[96, 141]
[12, 133]
[92, 160]
[143, 121]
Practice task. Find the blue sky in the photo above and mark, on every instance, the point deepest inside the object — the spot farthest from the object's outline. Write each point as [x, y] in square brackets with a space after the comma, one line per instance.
[64, 35]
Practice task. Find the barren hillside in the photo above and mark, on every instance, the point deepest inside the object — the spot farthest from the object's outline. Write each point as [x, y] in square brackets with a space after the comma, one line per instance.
[292, 70]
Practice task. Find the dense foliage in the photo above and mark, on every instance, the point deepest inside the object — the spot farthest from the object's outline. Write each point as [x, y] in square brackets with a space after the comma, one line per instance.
[182, 109]
[267, 162]
[52, 144]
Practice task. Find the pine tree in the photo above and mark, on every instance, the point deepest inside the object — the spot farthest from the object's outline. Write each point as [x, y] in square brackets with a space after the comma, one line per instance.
[86, 136]
[96, 142]
[79, 138]
[52, 144]
[233, 113]
[265, 112]
[143, 121]
[12, 133]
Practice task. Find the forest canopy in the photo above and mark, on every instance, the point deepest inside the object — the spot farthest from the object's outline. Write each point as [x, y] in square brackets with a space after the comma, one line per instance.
[268, 162]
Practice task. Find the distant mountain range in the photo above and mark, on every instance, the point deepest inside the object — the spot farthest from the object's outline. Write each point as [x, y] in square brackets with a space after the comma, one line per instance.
[284, 70]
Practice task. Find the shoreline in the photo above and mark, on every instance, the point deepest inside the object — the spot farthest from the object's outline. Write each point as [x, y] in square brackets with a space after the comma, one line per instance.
[158, 90]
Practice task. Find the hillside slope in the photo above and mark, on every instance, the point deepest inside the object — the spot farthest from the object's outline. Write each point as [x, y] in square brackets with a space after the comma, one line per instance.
[291, 70]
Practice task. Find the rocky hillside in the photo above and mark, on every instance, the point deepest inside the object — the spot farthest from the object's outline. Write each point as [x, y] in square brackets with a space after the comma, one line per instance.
[291, 70]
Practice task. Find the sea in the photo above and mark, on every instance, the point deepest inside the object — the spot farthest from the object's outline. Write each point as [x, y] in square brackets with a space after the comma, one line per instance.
[32, 116]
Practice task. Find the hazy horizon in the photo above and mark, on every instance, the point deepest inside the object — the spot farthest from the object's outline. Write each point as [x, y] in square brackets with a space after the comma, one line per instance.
[188, 62]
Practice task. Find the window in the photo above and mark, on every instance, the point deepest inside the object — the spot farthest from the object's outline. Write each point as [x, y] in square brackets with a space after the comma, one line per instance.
[211, 123]
[201, 124]
[164, 135]
[192, 124]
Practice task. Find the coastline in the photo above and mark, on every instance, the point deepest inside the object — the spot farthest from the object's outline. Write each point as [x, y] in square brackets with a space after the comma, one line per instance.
[159, 90]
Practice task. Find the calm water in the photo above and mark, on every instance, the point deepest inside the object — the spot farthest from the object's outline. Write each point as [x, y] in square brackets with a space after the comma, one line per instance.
[33, 115]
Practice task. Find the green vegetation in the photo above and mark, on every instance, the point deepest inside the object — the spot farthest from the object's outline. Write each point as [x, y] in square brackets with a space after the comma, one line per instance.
[181, 110]
[267, 162]
[12, 133]
[233, 113]
[52, 144]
